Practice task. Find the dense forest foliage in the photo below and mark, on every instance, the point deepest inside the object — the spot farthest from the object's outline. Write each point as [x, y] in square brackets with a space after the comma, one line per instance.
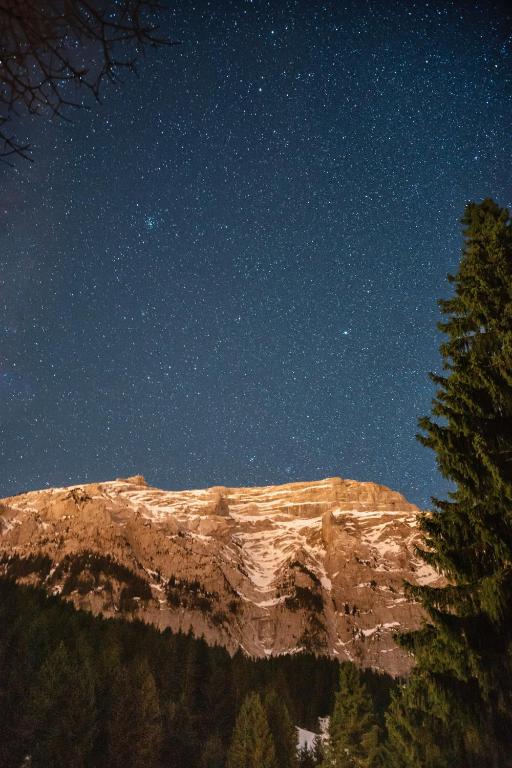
[78, 690]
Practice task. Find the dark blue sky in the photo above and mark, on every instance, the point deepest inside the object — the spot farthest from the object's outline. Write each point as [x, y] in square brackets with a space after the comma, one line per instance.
[228, 272]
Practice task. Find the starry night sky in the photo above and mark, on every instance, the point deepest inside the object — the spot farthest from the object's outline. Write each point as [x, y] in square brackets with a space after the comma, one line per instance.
[228, 272]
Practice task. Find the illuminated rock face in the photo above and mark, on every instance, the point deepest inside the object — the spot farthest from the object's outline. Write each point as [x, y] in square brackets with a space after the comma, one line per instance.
[314, 565]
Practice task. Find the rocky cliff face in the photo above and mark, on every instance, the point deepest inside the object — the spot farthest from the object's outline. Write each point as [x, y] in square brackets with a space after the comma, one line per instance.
[315, 565]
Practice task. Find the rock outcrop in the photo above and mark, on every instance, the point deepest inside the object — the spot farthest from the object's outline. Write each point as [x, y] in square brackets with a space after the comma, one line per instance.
[318, 566]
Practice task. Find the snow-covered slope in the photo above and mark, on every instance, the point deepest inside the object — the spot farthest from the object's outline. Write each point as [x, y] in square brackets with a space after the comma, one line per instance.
[314, 565]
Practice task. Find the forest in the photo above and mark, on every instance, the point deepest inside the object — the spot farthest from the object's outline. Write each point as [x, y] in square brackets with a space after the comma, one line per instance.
[80, 690]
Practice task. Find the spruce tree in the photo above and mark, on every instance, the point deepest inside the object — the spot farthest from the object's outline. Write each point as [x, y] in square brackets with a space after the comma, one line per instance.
[252, 745]
[311, 757]
[134, 727]
[61, 707]
[306, 758]
[457, 708]
[282, 729]
[353, 730]
[213, 754]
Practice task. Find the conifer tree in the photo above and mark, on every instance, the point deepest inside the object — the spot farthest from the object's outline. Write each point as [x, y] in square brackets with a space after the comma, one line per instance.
[252, 745]
[182, 743]
[282, 730]
[353, 730]
[311, 756]
[134, 728]
[62, 709]
[457, 708]
[221, 710]
[306, 758]
[214, 753]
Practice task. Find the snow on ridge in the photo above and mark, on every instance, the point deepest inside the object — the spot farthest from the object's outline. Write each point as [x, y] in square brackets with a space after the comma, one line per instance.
[368, 514]
[270, 602]
[270, 533]
[379, 627]
[250, 503]
[263, 561]
[265, 552]
[7, 525]
[424, 574]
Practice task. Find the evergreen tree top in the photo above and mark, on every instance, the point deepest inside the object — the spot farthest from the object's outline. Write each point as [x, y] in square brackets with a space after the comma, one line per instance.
[457, 708]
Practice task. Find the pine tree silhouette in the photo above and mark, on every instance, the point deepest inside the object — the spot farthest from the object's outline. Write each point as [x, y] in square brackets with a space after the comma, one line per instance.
[252, 745]
[457, 708]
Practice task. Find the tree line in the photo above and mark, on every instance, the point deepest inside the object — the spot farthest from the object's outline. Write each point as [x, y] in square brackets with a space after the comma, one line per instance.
[78, 690]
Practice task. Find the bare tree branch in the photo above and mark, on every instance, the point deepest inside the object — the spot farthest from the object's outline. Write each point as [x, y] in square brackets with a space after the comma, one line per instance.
[53, 52]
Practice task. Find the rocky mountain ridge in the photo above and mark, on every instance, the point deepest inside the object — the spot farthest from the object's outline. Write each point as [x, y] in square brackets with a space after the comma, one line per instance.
[313, 566]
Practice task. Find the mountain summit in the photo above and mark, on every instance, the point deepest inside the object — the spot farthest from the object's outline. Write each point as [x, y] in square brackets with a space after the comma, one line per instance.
[313, 566]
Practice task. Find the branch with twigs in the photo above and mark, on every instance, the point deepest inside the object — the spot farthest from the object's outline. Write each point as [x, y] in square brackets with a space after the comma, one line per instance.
[48, 49]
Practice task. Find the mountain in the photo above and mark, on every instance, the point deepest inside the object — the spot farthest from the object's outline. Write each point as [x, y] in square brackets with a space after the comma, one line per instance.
[315, 566]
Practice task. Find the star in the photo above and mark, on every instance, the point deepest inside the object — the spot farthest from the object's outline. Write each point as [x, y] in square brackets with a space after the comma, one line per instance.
[251, 293]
